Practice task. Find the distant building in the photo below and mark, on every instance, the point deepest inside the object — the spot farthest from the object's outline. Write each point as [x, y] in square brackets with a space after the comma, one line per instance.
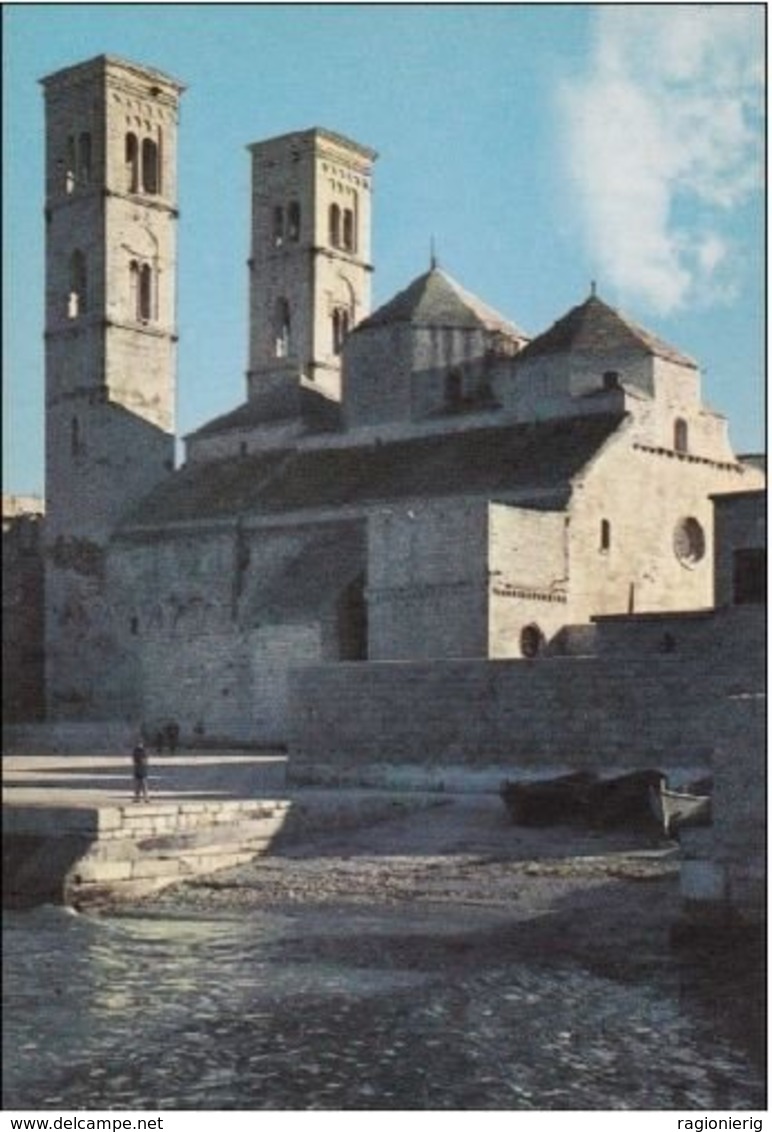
[23, 670]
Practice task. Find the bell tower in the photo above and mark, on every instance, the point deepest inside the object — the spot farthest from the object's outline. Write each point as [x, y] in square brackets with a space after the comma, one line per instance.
[310, 258]
[110, 349]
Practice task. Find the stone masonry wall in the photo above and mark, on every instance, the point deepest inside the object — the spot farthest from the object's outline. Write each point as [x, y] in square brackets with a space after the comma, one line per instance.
[633, 711]
[741, 524]
[426, 582]
[644, 496]
[528, 567]
[723, 873]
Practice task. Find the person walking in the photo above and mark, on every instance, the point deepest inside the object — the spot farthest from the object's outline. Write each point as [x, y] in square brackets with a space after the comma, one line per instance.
[140, 759]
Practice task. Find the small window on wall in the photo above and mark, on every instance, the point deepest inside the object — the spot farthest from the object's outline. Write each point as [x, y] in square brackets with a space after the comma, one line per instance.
[681, 436]
[531, 641]
[605, 535]
[293, 221]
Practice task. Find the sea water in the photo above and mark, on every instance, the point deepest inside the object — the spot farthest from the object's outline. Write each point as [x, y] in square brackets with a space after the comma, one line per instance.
[333, 1010]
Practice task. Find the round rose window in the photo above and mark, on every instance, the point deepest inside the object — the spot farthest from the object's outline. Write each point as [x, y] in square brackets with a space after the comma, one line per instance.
[689, 542]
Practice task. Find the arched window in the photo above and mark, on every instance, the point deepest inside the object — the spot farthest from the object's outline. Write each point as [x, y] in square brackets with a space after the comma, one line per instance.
[293, 221]
[134, 288]
[605, 534]
[681, 436]
[349, 234]
[149, 166]
[71, 161]
[278, 226]
[335, 225]
[141, 291]
[282, 328]
[84, 158]
[145, 293]
[77, 300]
[132, 163]
[340, 326]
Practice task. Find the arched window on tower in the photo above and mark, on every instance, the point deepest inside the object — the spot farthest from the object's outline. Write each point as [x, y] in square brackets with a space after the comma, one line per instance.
[132, 163]
[141, 291]
[77, 299]
[335, 225]
[84, 158]
[681, 435]
[349, 229]
[278, 226]
[293, 221]
[71, 162]
[340, 328]
[282, 328]
[150, 178]
[134, 288]
[145, 293]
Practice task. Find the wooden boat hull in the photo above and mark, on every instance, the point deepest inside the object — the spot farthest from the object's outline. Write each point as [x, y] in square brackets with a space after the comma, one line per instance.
[555, 801]
[584, 799]
[677, 810]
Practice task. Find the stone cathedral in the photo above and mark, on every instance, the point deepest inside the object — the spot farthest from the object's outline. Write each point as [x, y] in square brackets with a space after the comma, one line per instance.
[425, 481]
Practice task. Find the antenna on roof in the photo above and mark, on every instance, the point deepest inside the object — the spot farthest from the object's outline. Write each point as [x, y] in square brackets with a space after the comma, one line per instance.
[432, 255]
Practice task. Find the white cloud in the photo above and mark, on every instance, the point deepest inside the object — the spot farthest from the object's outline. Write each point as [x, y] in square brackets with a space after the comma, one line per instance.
[663, 139]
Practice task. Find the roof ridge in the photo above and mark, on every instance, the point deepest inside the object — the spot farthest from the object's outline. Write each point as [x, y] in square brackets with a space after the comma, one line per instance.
[435, 298]
[589, 326]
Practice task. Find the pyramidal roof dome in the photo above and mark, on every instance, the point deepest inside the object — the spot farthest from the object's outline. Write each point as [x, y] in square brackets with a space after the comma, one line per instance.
[596, 328]
[436, 300]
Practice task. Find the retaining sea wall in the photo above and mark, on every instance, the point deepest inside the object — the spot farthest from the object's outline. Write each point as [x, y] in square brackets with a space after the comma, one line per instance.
[81, 855]
[482, 719]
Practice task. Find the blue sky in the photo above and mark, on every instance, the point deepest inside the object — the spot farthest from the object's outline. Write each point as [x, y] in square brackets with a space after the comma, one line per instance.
[540, 146]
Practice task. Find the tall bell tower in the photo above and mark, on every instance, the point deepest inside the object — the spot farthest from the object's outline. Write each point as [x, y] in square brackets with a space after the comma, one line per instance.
[310, 257]
[110, 356]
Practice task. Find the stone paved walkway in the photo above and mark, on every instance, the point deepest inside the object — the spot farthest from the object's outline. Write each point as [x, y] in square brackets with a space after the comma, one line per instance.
[106, 779]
